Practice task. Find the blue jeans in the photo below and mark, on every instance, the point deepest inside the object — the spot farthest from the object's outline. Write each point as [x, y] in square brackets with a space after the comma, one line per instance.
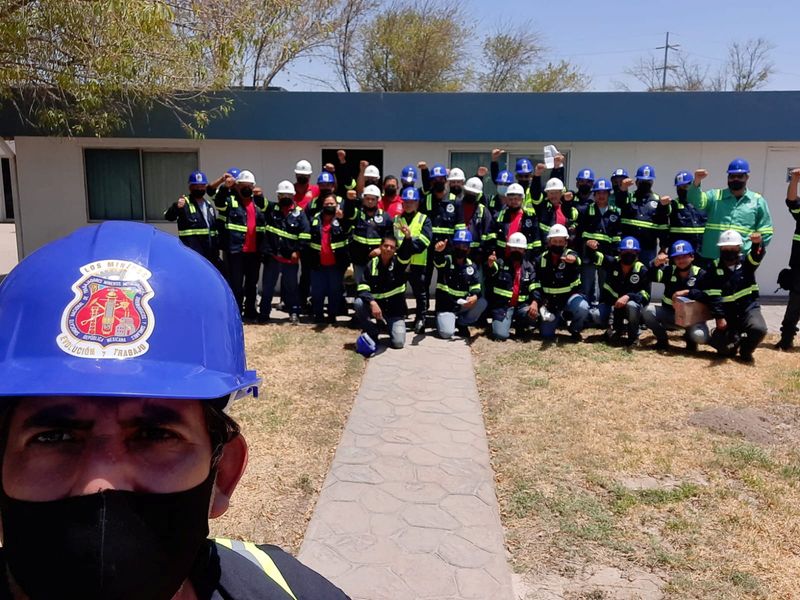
[446, 321]
[273, 270]
[396, 325]
[592, 280]
[661, 319]
[326, 282]
[517, 316]
[576, 312]
[631, 314]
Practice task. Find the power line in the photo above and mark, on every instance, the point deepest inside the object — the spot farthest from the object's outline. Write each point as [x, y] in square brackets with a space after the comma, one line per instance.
[666, 47]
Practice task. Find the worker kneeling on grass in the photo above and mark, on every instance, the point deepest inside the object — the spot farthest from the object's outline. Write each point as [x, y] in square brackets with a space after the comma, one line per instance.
[731, 292]
[680, 285]
[115, 447]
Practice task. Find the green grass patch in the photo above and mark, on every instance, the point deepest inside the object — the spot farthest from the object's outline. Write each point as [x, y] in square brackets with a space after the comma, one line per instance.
[745, 454]
[625, 499]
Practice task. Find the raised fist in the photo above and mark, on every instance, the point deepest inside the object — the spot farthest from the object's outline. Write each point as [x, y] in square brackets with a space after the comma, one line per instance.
[482, 171]
[665, 200]
[422, 165]
[591, 244]
[539, 170]
[342, 156]
[496, 153]
[181, 202]
[699, 175]
[440, 246]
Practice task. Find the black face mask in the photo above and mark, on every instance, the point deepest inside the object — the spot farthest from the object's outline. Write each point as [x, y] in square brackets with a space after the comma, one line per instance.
[644, 188]
[285, 202]
[460, 252]
[525, 183]
[329, 210]
[246, 192]
[470, 198]
[302, 179]
[729, 257]
[615, 188]
[456, 189]
[627, 258]
[516, 256]
[113, 544]
[438, 187]
[197, 194]
[557, 250]
[682, 194]
[736, 185]
[390, 192]
[585, 189]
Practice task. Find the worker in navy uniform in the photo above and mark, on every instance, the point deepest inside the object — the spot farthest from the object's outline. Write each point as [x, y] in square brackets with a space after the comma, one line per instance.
[730, 290]
[459, 300]
[367, 224]
[515, 218]
[680, 281]
[515, 290]
[558, 209]
[497, 202]
[625, 292]
[285, 223]
[792, 314]
[641, 216]
[601, 222]
[686, 221]
[382, 292]
[116, 447]
[197, 219]
[558, 270]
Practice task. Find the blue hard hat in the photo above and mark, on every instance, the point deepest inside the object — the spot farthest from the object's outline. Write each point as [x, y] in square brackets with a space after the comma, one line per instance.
[585, 174]
[524, 166]
[738, 165]
[410, 194]
[602, 185]
[106, 310]
[680, 248]
[326, 177]
[629, 243]
[365, 345]
[198, 177]
[438, 170]
[233, 172]
[462, 236]
[683, 178]
[620, 173]
[409, 174]
[504, 178]
[646, 173]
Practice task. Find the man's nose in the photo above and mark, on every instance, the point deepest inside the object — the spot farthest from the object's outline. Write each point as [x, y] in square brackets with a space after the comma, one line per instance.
[103, 467]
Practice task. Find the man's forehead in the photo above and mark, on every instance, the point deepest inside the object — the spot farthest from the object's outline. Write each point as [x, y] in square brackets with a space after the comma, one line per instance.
[85, 406]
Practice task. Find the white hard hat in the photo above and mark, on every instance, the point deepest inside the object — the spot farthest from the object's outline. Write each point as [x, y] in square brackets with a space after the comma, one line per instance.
[554, 184]
[372, 172]
[285, 187]
[246, 177]
[303, 167]
[474, 185]
[455, 174]
[372, 190]
[557, 231]
[518, 240]
[515, 188]
[730, 238]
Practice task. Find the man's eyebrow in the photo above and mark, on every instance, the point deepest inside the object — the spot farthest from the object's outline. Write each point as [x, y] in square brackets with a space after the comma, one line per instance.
[156, 414]
[59, 416]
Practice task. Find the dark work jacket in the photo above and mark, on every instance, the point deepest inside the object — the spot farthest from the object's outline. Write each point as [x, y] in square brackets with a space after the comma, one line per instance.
[668, 275]
[366, 232]
[194, 231]
[454, 281]
[559, 280]
[642, 218]
[546, 213]
[501, 284]
[480, 226]
[686, 223]
[312, 243]
[635, 284]
[386, 285]
[605, 228]
[233, 218]
[282, 237]
[731, 294]
[794, 210]
[529, 226]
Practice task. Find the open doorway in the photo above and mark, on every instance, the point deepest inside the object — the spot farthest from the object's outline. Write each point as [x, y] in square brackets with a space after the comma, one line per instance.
[354, 157]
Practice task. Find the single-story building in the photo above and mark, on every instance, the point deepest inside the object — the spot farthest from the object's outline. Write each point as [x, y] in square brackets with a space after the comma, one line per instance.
[51, 186]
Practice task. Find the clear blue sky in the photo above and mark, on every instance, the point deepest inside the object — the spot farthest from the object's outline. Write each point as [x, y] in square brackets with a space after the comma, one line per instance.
[604, 38]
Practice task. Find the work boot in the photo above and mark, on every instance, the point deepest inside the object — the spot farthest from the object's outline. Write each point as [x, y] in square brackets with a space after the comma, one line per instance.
[662, 344]
[691, 346]
[294, 319]
[419, 325]
[785, 344]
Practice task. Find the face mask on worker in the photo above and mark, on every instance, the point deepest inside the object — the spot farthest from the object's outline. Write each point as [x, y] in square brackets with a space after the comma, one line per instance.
[246, 192]
[736, 185]
[729, 257]
[525, 183]
[516, 255]
[197, 194]
[470, 198]
[285, 202]
[683, 193]
[329, 209]
[438, 186]
[460, 252]
[302, 179]
[627, 258]
[585, 189]
[112, 544]
[644, 187]
[456, 189]
[502, 189]
[390, 191]
[557, 250]
[258, 197]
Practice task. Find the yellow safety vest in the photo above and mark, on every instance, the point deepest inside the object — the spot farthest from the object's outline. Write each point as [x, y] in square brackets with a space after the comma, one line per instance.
[260, 558]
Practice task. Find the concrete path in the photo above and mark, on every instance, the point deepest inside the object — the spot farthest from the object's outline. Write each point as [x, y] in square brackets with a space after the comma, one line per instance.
[409, 510]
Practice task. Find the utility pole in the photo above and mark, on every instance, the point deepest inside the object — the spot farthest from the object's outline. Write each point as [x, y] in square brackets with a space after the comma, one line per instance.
[666, 48]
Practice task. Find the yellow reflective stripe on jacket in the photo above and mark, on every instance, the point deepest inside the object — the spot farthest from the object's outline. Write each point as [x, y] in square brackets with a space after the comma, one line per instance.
[667, 301]
[740, 294]
[363, 287]
[600, 237]
[796, 237]
[693, 230]
[367, 241]
[334, 245]
[396, 291]
[416, 231]
[727, 226]
[451, 291]
[561, 290]
[643, 224]
[185, 232]
[503, 293]
[280, 232]
[234, 227]
[257, 556]
[713, 292]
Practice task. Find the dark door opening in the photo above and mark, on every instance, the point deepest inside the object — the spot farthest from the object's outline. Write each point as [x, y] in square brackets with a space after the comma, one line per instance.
[354, 158]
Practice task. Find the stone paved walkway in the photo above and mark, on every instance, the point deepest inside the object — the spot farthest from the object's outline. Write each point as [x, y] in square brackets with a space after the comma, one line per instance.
[409, 509]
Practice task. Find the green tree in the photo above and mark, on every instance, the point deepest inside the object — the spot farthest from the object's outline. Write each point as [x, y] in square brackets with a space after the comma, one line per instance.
[414, 47]
[83, 68]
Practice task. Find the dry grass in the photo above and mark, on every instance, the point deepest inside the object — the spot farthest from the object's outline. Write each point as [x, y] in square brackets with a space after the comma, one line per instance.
[571, 424]
[309, 383]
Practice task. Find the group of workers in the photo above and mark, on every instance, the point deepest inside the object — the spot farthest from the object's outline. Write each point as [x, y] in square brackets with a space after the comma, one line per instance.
[533, 255]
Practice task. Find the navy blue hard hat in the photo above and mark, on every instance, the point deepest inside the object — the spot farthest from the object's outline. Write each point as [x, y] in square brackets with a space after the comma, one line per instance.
[620, 173]
[365, 345]
[410, 194]
[504, 177]
[585, 174]
[524, 166]
[462, 236]
[602, 185]
[438, 170]
[233, 172]
[326, 177]
[409, 174]
[738, 166]
[683, 178]
[680, 248]
[198, 177]
[646, 173]
[629, 243]
[103, 312]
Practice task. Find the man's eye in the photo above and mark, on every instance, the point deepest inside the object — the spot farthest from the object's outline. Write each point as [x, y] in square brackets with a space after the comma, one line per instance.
[54, 436]
[155, 434]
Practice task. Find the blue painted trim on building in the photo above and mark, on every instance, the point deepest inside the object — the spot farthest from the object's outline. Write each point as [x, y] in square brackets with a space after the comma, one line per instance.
[490, 118]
